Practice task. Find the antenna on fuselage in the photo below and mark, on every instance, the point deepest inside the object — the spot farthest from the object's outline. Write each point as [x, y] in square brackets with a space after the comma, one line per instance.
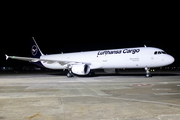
[144, 45]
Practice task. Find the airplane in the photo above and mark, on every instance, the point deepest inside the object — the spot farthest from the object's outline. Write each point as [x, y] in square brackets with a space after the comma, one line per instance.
[83, 63]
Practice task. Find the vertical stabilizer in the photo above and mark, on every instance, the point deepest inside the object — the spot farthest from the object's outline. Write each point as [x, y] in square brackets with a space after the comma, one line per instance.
[35, 50]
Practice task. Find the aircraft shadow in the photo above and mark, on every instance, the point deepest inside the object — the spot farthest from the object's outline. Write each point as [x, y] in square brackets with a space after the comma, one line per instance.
[121, 74]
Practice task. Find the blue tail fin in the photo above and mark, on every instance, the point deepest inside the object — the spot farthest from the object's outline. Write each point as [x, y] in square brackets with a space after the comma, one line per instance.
[35, 50]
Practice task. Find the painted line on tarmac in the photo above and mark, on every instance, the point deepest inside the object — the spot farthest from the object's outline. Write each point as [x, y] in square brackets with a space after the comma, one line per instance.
[142, 85]
[166, 93]
[161, 89]
[144, 101]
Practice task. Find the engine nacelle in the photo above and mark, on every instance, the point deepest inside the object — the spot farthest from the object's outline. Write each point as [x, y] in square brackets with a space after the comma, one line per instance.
[82, 69]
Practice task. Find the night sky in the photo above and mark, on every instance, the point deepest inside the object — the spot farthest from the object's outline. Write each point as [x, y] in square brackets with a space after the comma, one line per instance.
[73, 31]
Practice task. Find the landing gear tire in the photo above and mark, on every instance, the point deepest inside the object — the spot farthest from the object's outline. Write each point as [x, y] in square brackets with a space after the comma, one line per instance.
[148, 74]
[69, 75]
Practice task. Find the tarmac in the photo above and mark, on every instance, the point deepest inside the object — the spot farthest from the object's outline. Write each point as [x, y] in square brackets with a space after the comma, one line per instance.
[47, 96]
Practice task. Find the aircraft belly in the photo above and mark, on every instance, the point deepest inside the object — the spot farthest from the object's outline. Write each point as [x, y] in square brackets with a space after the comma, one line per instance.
[53, 65]
[95, 65]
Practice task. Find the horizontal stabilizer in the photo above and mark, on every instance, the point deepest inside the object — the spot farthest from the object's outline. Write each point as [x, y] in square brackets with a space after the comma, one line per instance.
[6, 57]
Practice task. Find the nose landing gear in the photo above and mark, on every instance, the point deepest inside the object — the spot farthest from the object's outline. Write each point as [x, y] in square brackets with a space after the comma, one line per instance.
[148, 74]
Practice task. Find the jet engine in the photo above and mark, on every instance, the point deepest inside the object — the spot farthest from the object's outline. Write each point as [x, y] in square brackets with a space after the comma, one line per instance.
[82, 69]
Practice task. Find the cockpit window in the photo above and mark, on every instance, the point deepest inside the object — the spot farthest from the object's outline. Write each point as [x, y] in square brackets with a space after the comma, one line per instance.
[164, 52]
[159, 52]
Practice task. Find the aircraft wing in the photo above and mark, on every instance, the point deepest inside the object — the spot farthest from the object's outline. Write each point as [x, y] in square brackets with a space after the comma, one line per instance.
[62, 62]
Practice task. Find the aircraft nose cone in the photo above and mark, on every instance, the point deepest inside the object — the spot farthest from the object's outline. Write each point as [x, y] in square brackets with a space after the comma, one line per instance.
[171, 59]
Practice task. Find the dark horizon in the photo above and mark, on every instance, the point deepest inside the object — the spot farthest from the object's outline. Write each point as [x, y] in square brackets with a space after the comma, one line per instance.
[85, 32]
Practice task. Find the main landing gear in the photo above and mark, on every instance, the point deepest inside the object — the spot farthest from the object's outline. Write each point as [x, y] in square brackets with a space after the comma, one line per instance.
[70, 74]
[148, 74]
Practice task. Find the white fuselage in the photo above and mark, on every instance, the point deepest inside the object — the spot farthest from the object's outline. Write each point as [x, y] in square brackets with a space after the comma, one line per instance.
[139, 57]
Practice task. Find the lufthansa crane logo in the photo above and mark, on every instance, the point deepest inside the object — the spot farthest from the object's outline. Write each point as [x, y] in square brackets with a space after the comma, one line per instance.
[34, 50]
